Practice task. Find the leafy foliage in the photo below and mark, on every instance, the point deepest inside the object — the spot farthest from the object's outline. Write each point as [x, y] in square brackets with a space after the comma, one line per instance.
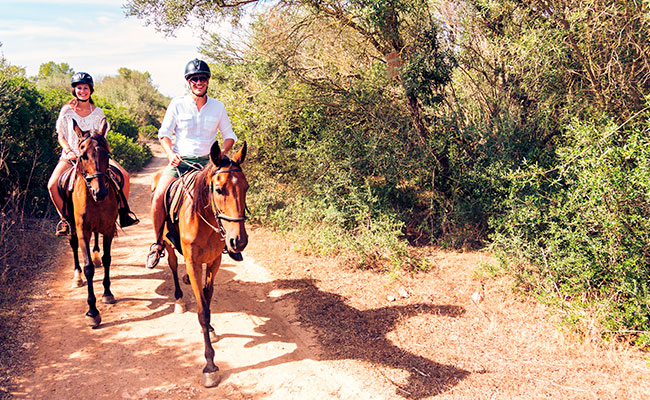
[583, 226]
[127, 152]
[134, 92]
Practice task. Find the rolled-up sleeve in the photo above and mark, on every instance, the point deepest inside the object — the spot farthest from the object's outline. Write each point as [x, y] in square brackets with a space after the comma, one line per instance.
[168, 125]
[225, 127]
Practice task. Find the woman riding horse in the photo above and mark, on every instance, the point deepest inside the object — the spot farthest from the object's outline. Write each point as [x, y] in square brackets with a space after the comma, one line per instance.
[82, 110]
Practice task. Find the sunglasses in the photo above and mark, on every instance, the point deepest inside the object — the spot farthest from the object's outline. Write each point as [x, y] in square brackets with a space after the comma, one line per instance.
[201, 78]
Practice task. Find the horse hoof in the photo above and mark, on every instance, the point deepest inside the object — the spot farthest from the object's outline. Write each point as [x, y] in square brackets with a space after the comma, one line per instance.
[97, 261]
[211, 379]
[77, 283]
[93, 322]
[186, 279]
[108, 299]
[179, 307]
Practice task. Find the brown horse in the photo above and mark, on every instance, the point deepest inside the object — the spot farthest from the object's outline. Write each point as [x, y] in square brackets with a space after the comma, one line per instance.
[94, 211]
[211, 217]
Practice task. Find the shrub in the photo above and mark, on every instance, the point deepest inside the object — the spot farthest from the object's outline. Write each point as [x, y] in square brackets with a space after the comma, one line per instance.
[130, 154]
[581, 231]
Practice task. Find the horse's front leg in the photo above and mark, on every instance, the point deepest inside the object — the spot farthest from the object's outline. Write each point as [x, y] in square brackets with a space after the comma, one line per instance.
[211, 375]
[108, 297]
[179, 305]
[77, 281]
[92, 316]
[96, 259]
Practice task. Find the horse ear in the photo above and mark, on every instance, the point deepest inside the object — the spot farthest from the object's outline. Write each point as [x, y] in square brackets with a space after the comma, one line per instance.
[215, 154]
[76, 128]
[103, 127]
[241, 155]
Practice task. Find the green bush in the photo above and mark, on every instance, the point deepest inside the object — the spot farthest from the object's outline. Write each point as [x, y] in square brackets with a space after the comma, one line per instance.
[580, 232]
[28, 148]
[129, 154]
[121, 121]
[148, 132]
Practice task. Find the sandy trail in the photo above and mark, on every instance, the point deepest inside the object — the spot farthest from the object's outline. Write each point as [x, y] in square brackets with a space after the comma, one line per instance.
[143, 350]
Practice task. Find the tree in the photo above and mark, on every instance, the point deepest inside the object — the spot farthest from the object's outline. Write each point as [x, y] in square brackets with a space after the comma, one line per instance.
[55, 76]
[391, 26]
[134, 91]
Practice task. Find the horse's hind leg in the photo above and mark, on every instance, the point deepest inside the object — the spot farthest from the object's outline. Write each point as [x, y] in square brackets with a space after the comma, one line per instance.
[96, 260]
[108, 297]
[179, 306]
[77, 280]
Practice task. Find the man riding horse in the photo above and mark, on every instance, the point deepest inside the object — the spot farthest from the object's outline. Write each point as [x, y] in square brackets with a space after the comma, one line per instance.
[194, 120]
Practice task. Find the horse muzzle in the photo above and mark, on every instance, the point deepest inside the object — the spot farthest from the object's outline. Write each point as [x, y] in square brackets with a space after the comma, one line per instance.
[236, 243]
[99, 194]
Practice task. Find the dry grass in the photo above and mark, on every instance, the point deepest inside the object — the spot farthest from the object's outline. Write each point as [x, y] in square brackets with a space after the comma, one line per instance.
[422, 335]
[26, 249]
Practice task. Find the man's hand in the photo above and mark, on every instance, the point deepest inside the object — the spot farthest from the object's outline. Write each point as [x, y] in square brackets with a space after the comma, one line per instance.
[174, 159]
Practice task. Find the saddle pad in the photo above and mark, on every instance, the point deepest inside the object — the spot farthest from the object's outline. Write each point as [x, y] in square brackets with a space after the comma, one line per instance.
[65, 185]
[176, 193]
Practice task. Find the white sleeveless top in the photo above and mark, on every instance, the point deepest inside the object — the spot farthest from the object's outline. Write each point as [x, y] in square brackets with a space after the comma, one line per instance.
[65, 127]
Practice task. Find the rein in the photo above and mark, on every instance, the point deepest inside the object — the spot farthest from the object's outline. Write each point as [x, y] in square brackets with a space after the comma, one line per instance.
[89, 178]
[218, 214]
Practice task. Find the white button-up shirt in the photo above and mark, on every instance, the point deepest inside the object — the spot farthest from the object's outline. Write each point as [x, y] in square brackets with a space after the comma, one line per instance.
[195, 130]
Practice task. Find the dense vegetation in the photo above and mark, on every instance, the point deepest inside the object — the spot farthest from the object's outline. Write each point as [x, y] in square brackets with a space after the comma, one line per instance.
[518, 125]
[521, 126]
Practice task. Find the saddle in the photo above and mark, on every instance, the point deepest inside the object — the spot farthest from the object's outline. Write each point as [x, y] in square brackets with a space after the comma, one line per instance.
[172, 202]
[65, 186]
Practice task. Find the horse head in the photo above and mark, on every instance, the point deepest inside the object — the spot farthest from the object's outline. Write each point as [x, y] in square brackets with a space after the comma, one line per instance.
[93, 159]
[228, 188]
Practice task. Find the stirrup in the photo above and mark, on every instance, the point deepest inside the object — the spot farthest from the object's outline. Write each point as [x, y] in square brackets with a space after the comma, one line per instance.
[62, 228]
[154, 255]
[127, 218]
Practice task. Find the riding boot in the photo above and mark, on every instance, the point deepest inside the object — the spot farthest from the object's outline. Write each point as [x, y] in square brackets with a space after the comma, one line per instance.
[62, 228]
[127, 217]
[154, 255]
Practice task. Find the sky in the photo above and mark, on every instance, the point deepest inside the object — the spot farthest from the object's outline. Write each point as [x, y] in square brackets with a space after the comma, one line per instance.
[95, 37]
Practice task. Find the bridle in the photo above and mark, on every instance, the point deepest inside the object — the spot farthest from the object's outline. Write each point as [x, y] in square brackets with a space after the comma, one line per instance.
[89, 178]
[218, 214]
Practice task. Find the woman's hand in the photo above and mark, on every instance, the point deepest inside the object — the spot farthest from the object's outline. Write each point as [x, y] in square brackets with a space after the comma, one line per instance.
[70, 155]
[174, 159]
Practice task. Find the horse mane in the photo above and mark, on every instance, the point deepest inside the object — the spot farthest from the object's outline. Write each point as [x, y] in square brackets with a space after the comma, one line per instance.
[201, 195]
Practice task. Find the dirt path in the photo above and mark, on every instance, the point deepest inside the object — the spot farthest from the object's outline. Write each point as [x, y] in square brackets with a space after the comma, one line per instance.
[143, 350]
[299, 327]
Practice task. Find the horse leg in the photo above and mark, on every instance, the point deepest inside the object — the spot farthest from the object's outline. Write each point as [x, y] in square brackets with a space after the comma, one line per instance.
[211, 375]
[92, 316]
[96, 260]
[208, 289]
[179, 305]
[77, 281]
[108, 297]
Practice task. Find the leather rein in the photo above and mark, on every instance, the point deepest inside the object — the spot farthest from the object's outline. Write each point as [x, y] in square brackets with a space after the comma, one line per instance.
[218, 214]
[89, 178]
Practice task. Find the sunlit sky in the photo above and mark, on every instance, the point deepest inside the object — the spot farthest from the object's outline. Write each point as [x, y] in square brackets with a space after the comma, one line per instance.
[95, 37]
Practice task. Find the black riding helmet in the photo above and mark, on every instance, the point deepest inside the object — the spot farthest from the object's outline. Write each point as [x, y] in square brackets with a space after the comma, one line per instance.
[82, 77]
[196, 67]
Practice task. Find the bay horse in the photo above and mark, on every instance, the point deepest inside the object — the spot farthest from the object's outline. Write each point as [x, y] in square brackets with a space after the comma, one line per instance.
[211, 218]
[94, 211]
